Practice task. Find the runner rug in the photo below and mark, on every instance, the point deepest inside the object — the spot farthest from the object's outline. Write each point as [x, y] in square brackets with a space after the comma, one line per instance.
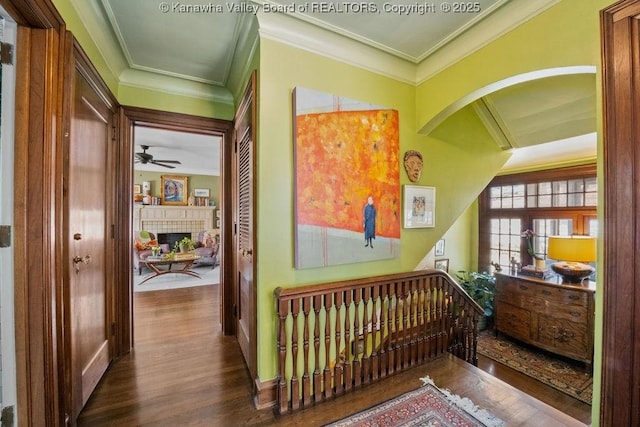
[426, 406]
[562, 375]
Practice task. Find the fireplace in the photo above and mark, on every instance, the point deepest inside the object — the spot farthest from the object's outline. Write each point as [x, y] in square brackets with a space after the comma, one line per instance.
[171, 238]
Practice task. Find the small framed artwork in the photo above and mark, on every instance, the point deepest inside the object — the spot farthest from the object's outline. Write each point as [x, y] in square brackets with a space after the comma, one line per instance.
[137, 189]
[440, 247]
[201, 192]
[174, 190]
[442, 264]
[419, 206]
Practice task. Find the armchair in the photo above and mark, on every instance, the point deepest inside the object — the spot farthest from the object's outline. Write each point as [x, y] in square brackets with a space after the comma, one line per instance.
[207, 246]
[142, 243]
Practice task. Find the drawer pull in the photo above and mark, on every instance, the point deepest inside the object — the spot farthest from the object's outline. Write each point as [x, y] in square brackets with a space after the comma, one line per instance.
[574, 313]
[546, 292]
[574, 297]
[524, 288]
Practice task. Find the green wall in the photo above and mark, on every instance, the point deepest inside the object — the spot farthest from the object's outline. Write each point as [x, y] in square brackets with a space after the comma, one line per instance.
[461, 242]
[448, 160]
[193, 181]
[568, 34]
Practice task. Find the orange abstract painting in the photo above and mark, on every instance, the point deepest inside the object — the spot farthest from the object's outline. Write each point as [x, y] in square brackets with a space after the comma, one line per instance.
[342, 158]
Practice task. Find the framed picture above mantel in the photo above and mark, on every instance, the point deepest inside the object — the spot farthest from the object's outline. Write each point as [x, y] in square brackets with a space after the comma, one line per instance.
[174, 190]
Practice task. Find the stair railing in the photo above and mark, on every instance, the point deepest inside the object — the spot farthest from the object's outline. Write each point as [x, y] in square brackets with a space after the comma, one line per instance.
[335, 337]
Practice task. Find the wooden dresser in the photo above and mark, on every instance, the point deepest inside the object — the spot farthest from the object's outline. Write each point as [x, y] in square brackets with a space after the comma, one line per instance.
[548, 314]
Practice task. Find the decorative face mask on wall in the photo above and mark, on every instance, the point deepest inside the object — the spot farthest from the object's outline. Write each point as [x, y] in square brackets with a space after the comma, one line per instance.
[413, 165]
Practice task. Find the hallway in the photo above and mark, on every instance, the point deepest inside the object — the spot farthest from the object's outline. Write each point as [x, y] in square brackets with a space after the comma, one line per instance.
[177, 374]
[184, 372]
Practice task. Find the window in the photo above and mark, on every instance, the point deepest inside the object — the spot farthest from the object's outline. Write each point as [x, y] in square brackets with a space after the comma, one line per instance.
[505, 239]
[551, 203]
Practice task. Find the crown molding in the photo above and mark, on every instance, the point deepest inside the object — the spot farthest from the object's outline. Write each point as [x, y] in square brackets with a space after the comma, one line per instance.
[308, 34]
[91, 15]
[246, 48]
[139, 79]
[298, 33]
[507, 16]
[312, 35]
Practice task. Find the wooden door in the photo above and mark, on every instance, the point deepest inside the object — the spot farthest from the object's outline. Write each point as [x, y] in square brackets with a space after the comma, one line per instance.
[244, 240]
[88, 202]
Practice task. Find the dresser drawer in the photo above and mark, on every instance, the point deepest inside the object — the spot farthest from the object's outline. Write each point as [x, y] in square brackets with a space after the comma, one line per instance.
[565, 337]
[514, 321]
[513, 291]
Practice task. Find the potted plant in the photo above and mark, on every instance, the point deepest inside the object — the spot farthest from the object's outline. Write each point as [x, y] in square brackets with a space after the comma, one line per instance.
[481, 287]
[155, 250]
[184, 245]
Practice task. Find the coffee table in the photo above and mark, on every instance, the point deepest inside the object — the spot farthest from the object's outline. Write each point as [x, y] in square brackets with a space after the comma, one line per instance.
[185, 262]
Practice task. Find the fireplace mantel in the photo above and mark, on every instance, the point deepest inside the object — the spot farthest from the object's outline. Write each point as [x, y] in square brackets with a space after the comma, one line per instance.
[167, 219]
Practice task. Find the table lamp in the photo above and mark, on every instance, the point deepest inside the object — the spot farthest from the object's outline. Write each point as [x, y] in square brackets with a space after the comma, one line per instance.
[572, 253]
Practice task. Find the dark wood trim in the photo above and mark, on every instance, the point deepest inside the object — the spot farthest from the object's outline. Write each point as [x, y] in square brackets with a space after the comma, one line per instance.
[132, 116]
[227, 263]
[63, 297]
[37, 145]
[620, 395]
[546, 175]
[37, 167]
[123, 315]
[33, 13]
[266, 393]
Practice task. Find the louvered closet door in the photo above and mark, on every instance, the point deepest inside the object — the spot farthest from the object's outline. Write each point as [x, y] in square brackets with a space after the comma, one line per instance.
[244, 239]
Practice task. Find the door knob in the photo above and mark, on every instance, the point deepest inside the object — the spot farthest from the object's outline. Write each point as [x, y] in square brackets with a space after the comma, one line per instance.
[77, 260]
[85, 260]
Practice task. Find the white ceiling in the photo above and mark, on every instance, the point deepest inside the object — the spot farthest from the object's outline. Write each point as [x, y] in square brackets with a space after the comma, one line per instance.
[198, 154]
[198, 48]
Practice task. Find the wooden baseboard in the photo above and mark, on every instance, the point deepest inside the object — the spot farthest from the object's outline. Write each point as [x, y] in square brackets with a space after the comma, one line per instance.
[266, 393]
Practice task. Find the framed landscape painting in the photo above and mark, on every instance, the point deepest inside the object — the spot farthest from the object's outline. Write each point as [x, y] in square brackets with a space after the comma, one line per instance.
[347, 180]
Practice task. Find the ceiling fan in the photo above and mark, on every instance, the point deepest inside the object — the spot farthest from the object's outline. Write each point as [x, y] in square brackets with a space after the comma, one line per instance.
[145, 158]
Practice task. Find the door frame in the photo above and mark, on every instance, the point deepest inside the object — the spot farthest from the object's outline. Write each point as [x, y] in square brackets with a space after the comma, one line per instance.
[38, 172]
[130, 117]
[620, 375]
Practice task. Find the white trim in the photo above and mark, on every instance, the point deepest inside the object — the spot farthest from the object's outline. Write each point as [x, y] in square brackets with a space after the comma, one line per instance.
[309, 34]
[174, 86]
[508, 16]
[100, 34]
[7, 308]
[299, 34]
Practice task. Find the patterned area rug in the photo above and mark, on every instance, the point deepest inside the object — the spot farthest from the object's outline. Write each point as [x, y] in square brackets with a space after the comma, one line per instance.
[426, 406]
[557, 373]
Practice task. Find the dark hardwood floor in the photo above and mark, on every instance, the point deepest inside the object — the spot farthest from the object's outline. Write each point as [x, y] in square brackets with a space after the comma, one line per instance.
[184, 372]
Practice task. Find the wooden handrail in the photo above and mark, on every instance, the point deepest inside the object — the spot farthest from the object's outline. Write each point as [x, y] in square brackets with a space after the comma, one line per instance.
[335, 337]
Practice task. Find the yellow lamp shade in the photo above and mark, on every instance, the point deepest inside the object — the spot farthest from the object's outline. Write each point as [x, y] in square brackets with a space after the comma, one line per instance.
[571, 252]
[572, 248]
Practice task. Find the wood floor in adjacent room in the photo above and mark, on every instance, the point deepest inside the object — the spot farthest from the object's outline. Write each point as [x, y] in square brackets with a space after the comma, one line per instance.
[184, 372]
